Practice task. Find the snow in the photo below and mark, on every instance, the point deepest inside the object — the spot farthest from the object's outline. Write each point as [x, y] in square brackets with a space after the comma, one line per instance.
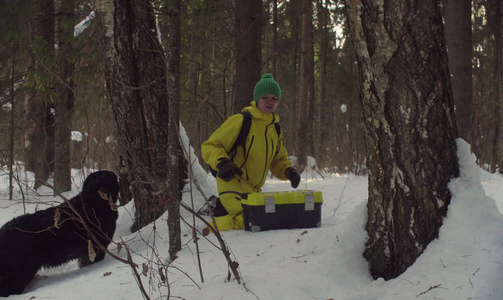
[465, 262]
[77, 136]
[344, 108]
[7, 107]
[79, 28]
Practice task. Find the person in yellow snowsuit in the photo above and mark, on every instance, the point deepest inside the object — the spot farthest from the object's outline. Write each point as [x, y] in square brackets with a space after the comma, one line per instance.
[245, 171]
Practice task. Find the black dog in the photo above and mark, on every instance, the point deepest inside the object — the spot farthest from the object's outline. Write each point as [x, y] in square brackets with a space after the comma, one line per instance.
[52, 237]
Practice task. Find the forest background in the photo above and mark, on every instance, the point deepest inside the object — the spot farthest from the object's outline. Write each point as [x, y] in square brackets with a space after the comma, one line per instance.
[103, 85]
[29, 76]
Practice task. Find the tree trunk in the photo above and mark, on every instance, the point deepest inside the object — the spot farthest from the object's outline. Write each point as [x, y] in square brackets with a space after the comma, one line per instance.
[65, 99]
[496, 22]
[175, 156]
[135, 73]
[296, 28]
[39, 118]
[121, 78]
[499, 85]
[306, 91]
[487, 84]
[312, 116]
[275, 49]
[12, 123]
[248, 51]
[410, 127]
[326, 105]
[458, 37]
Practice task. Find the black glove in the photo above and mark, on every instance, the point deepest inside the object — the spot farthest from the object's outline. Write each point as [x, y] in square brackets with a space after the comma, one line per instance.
[227, 169]
[293, 176]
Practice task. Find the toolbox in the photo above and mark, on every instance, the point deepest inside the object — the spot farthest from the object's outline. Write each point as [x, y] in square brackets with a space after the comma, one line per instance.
[282, 210]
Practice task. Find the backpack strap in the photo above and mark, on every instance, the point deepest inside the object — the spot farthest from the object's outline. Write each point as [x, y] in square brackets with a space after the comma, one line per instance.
[241, 139]
[245, 130]
[278, 128]
[243, 133]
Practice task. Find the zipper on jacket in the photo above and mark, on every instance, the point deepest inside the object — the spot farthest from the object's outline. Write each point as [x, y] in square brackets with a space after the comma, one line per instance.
[246, 154]
[264, 173]
[272, 148]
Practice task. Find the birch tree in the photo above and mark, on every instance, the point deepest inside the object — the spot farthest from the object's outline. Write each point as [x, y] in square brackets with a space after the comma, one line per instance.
[408, 114]
[135, 72]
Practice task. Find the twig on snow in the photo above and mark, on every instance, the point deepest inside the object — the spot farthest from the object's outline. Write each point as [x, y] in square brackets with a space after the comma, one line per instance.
[431, 288]
[340, 198]
[305, 254]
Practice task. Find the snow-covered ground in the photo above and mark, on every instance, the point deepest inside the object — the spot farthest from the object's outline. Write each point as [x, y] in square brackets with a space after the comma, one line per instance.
[465, 262]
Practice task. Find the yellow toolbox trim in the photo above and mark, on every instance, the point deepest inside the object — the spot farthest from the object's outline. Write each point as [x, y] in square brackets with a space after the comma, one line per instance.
[294, 197]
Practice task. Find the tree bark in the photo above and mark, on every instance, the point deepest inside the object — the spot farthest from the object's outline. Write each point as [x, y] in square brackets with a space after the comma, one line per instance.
[306, 95]
[275, 48]
[326, 105]
[499, 85]
[135, 73]
[458, 37]
[121, 79]
[487, 131]
[65, 99]
[39, 118]
[409, 125]
[12, 123]
[38, 136]
[248, 43]
[496, 22]
[175, 156]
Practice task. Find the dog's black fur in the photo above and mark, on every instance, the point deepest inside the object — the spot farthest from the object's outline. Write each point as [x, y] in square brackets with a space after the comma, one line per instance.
[33, 241]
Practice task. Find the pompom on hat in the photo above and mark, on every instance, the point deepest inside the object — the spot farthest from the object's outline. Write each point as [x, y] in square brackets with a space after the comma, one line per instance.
[266, 86]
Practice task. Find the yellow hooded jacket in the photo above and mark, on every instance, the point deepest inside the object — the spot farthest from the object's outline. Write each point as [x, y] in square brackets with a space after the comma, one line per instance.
[263, 151]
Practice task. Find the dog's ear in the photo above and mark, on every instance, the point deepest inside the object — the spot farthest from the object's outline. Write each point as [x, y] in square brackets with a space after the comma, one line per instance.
[109, 198]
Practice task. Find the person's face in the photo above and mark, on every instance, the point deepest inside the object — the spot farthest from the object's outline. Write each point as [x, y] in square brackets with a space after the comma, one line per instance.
[268, 103]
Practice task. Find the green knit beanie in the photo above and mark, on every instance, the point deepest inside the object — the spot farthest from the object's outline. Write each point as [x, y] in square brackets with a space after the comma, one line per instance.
[266, 86]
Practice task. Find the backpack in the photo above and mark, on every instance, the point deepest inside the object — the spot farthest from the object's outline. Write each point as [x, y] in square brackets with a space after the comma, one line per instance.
[243, 134]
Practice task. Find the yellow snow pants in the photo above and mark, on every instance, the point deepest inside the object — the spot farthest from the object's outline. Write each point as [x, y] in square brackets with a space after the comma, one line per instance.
[230, 194]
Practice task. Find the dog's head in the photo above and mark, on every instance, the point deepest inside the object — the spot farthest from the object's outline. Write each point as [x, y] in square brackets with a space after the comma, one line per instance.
[104, 181]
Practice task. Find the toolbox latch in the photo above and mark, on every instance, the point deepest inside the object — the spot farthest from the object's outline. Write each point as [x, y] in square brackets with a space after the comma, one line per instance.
[309, 199]
[270, 205]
